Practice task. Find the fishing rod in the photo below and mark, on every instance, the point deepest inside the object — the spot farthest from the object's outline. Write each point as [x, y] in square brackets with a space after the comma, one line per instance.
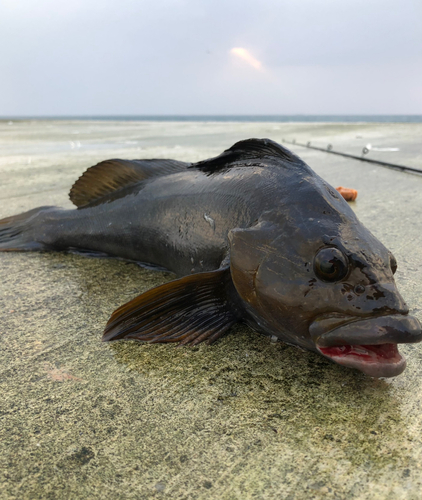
[365, 150]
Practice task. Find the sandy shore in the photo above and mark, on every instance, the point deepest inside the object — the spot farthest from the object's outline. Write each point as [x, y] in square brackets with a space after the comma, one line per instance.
[245, 418]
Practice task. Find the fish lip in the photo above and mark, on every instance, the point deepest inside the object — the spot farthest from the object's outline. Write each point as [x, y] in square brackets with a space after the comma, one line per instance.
[368, 344]
[328, 331]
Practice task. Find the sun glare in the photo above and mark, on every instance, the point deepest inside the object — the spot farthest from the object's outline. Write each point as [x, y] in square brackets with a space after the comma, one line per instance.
[246, 56]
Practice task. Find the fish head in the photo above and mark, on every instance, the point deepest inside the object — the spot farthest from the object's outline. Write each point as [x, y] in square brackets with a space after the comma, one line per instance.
[325, 285]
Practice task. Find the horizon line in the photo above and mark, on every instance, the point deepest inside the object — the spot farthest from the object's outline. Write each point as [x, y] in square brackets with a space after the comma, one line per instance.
[201, 114]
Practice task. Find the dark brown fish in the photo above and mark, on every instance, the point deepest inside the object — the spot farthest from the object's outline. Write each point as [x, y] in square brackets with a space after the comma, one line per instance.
[254, 234]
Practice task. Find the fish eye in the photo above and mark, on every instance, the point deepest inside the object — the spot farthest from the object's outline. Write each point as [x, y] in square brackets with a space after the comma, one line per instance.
[393, 263]
[330, 264]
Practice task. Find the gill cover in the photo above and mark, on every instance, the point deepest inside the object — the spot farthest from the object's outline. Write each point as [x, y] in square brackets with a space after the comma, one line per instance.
[248, 247]
[271, 277]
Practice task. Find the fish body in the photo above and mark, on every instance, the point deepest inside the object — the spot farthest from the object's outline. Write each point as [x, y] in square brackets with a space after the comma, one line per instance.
[254, 235]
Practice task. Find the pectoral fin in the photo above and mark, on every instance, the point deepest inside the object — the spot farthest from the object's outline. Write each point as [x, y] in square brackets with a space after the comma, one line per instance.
[190, 310]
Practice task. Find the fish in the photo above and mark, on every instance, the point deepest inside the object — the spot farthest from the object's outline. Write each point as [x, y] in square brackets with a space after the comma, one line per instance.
[253, 236]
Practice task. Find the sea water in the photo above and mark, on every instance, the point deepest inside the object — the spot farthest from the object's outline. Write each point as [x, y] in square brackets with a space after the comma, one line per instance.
[247, 118]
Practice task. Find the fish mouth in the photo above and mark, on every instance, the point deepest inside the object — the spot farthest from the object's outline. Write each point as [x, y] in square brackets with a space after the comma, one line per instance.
[367, 344]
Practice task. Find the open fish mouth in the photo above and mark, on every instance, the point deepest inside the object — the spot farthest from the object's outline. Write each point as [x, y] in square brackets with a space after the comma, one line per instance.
[378, 360]
[367, 344]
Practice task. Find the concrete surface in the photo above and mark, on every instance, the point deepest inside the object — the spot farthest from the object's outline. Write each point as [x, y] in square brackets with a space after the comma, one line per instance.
[243, 419]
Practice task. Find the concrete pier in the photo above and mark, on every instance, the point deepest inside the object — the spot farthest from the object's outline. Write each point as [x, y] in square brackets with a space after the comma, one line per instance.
[243, 419]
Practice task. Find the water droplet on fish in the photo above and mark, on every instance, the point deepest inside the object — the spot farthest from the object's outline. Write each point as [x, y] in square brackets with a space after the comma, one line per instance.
[210, 221]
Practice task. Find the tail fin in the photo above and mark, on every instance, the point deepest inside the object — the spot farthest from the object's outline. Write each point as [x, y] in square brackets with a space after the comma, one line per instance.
[18, 232]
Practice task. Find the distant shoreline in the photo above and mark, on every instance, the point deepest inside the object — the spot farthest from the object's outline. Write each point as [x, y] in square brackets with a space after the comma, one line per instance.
[233, 118]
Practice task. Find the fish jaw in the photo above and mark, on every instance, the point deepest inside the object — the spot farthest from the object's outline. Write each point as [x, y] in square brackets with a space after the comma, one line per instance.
[367, 344]
[382, 360]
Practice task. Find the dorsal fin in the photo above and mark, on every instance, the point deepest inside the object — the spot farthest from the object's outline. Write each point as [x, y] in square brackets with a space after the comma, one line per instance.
[250, 152]
[112, 175]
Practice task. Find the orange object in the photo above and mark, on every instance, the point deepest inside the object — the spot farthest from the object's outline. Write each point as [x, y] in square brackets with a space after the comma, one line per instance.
[348, 193]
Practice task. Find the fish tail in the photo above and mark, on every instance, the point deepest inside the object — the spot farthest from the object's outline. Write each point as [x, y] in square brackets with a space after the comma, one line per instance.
[19, 232]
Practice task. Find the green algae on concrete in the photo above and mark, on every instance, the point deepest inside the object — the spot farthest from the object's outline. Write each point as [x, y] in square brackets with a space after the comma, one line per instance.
[244, 418]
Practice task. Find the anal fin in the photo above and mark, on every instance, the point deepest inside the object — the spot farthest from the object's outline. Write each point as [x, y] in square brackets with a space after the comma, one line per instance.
[188, 310]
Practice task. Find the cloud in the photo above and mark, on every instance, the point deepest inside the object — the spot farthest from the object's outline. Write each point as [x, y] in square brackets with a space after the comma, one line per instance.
[246, 56]
[136, 57]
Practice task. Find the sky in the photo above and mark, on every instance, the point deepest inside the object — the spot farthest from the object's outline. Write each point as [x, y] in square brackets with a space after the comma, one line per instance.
[218, 57]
